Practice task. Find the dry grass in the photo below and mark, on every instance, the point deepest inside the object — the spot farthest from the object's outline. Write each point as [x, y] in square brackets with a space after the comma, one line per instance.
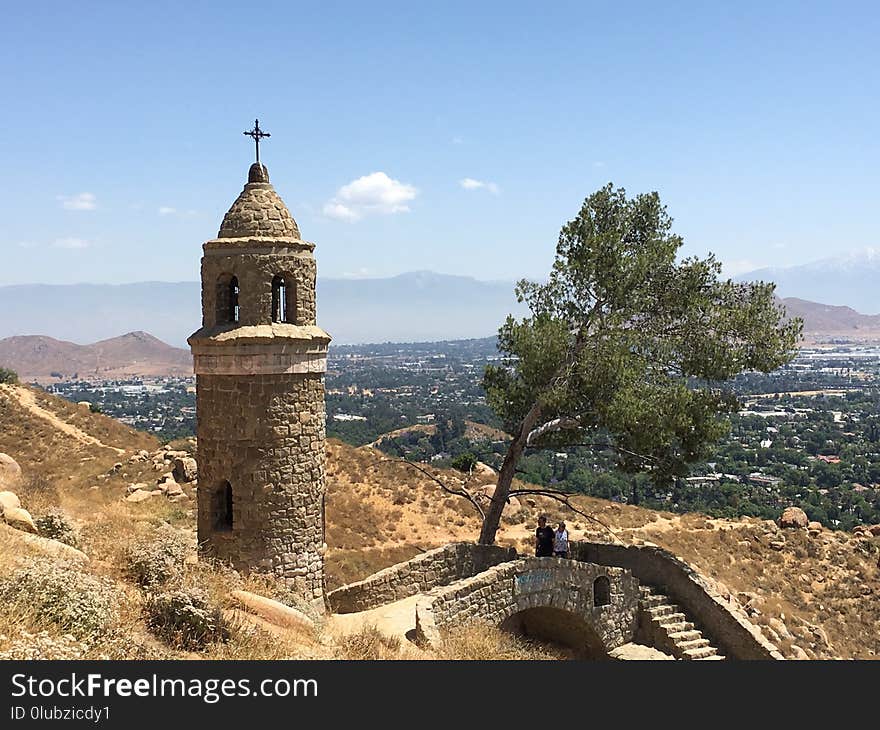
[478, 641]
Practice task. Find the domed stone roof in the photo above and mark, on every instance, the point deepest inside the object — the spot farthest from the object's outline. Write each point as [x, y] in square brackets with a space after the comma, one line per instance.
[258, 211]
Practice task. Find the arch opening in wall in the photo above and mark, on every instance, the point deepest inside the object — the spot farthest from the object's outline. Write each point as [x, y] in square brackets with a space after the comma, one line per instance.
[284, 299]
[227, 309]
[558, 628]
[601, 591]
[222, 508]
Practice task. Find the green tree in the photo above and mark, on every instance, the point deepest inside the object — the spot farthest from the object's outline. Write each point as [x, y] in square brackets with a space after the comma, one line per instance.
[626, 348]
[8, 376]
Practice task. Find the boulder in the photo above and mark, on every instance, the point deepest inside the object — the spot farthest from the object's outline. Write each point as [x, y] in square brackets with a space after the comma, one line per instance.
[814, 526]
[184, 469]
[49, 546]
[84, 404]
[273, 611]
[140, 495]
[20, 519]
[484, 470]
[794, 518]
[173, 490]
[10, 472]
[166, 477]
[874, 530]
[8, 500]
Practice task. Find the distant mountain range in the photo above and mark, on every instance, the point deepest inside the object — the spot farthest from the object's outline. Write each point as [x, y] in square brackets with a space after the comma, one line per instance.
[849, 280]
[137, 353]
[414, 307]
[418, 306]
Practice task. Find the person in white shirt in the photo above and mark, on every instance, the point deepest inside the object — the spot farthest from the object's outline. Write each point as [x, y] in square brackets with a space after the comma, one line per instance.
[560, 541]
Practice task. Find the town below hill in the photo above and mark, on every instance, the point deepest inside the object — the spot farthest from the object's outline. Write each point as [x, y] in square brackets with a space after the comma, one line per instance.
[806, 435]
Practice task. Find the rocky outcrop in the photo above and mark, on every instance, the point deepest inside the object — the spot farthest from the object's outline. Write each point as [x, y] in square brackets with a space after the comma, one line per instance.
[10, 472]
[20, 519]
[794, 518]
[185, 469]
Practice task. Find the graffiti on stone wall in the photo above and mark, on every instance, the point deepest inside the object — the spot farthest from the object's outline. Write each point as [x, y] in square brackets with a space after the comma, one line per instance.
[533, 581]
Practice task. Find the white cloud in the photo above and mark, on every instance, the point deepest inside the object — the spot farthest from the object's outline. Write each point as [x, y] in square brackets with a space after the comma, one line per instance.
[361, 273]
[165, 210]
[738, 266]
[26, 244]
[71, 243]
[457, 140]
[373, 193]
[80, 201]
[469, 183]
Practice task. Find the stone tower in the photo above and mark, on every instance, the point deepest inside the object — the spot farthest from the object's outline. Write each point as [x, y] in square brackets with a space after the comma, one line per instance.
[260, 360]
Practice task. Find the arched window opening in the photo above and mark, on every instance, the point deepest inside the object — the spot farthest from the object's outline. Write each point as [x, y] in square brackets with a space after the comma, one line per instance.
[601, 591]
[234, 309]
[223, 515]
[279, 299]
[227, 299]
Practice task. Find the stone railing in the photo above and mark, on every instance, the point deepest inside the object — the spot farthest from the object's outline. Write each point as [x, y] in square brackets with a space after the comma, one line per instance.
[725, 622]
[550, 597]
[422, 573]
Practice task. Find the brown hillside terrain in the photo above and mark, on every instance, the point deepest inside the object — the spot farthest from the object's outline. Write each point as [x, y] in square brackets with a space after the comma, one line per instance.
[814, 596]
[822, 321]
[35, 357]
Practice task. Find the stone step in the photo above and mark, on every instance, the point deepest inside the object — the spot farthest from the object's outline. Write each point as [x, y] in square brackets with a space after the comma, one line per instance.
[684, 635]
[670, 618]
[676, 626]
[713, 657]
[664, 610]
[692, 644]
[699, 653]
[654, 600]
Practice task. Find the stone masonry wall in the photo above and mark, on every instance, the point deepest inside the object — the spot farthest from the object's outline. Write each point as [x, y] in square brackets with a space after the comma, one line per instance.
[264, 434]
[518, 587]
[422, 573]
[725, 623]
[255, 271]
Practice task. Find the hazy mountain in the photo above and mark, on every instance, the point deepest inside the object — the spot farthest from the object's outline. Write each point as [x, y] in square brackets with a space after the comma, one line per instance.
[849, 280]
[829, 320]
[136, 353]
[417, 306]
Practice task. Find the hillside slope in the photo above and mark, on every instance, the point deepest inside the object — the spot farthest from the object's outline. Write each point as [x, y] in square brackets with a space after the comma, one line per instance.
[814, 596]
[36, 357]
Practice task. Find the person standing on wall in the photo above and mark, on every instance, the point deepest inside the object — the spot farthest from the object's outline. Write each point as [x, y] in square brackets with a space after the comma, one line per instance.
[543, 539]
[560, 541]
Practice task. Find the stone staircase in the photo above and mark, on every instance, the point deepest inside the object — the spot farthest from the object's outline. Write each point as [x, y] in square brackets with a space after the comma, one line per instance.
[666, 626]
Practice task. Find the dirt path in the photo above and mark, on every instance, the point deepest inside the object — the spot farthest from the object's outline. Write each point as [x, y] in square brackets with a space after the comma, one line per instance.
[28, 401]
[394, 619]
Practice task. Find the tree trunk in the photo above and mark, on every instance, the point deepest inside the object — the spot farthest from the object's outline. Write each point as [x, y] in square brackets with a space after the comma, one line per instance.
[505, 477]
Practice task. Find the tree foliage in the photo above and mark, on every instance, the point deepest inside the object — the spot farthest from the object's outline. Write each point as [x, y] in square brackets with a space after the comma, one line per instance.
[627, 347]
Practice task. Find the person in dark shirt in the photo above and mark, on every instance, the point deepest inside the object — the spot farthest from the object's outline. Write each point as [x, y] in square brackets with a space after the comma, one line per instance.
[543, 539]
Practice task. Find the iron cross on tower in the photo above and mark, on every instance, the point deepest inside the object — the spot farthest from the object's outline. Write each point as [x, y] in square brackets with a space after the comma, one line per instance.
[257, 134]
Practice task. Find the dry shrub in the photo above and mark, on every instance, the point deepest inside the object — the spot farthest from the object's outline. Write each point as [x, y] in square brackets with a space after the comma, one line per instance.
[62, 594]
[369, 643]
[158, 559]
[477, 641]
[186, 619]
[57, 525]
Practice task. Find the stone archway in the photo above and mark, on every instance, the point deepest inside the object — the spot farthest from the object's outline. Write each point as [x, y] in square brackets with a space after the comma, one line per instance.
[559, 626]
[551, 597]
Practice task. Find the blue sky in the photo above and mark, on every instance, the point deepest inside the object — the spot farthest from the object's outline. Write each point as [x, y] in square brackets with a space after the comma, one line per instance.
[121, 138]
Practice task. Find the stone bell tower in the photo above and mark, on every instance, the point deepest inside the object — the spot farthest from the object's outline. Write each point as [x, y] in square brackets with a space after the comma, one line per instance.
[260, 360]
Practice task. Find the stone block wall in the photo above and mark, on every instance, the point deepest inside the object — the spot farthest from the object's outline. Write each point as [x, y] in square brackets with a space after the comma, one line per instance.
[550, 594]
[264, 435]
[431, 569]
[725, 623]
[255, 266]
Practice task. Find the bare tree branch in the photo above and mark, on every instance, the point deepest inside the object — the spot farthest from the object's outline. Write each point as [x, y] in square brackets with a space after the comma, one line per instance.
[565, 499]
[557, 424]
[462, 492]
